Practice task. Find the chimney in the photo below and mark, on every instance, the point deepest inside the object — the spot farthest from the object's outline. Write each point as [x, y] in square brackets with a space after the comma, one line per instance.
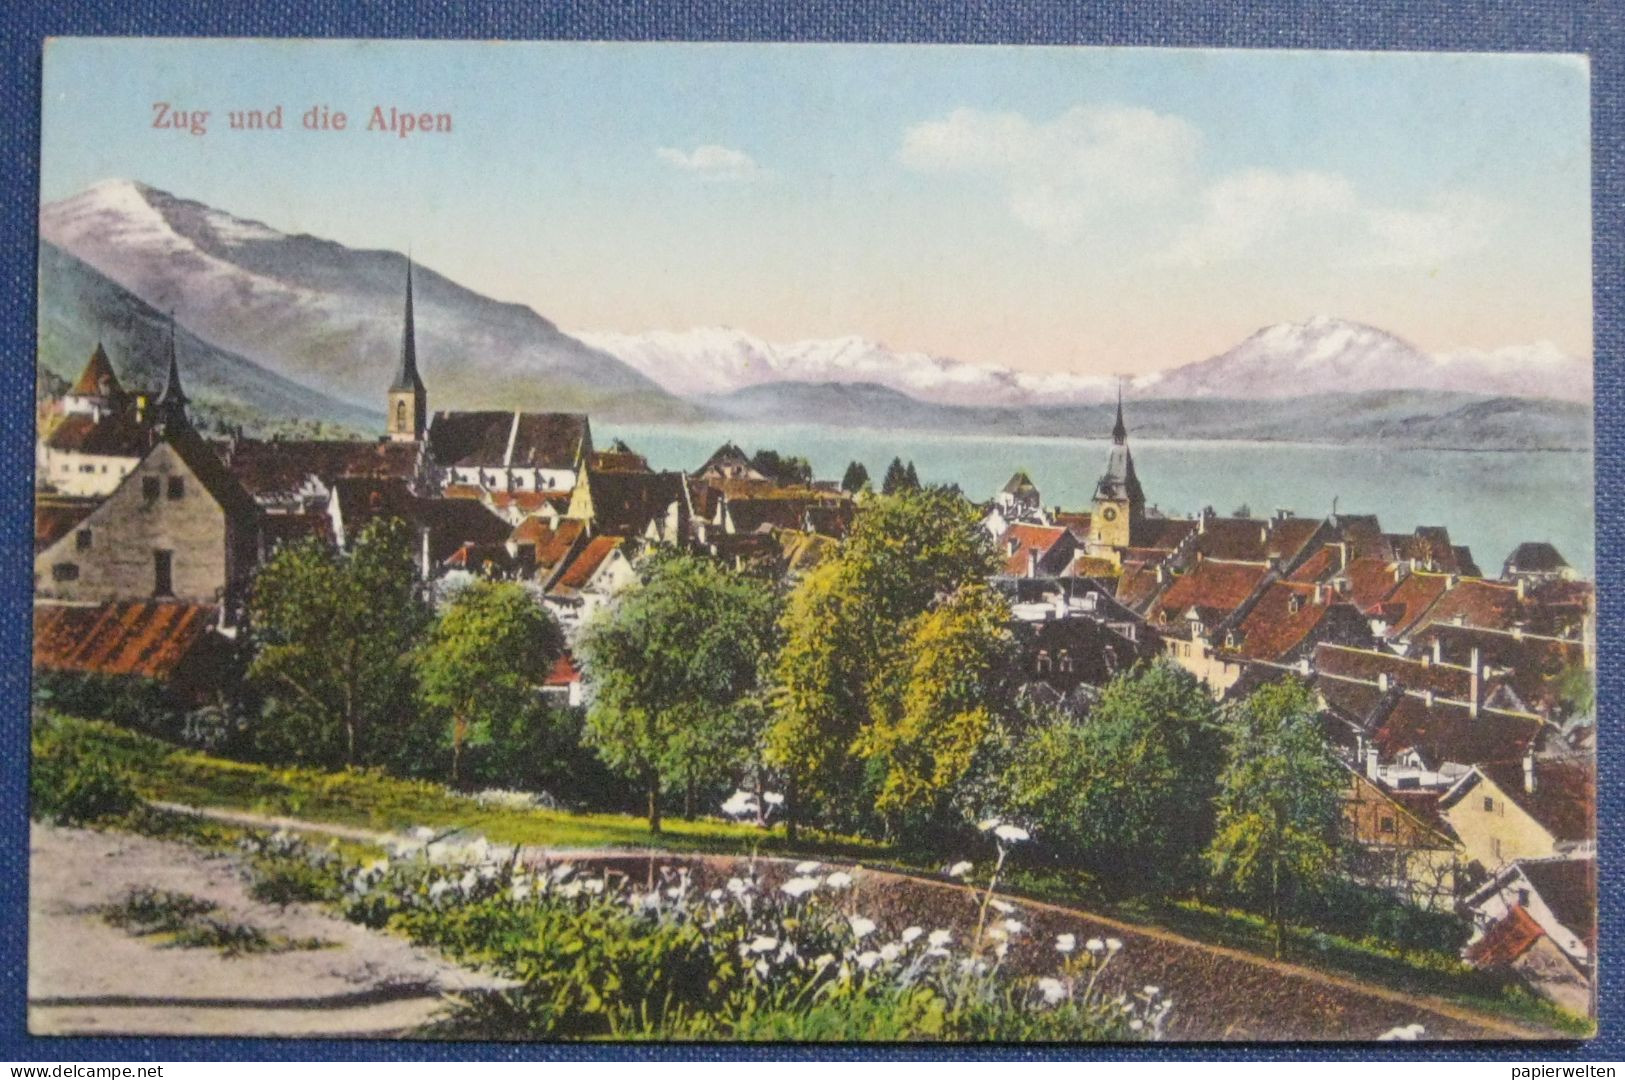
[1303, 665]
[1371, 763]
[1162, 574]
[1427, 697]
[1320, 595]
[1342, 554]
[1032, 562]
[1011, 545]
[1400, 571]
[1382, 681]
[1474, 689]
[425, 564]
[1523, 590]
[1438, 649]
[1529, 770]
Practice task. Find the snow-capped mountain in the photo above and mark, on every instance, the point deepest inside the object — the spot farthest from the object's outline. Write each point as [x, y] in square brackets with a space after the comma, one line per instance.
[329, 316]
[1326, 355]
[716, 360]
[1319, 356]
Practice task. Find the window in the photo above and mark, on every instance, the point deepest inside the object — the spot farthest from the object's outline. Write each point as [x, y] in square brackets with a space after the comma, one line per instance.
[400, 414]
[1387, 823]
[150, 488]
[1523, 897]
[1064, 661]
[1489, 804]
[177, 486]
[163, 573]
[1495, 847]
[65, 571]
[1043, 660]
[87, 468]
[81, 540]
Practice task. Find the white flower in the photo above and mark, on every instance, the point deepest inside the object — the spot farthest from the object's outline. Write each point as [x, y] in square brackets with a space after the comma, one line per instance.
[562, 871]
[1408, 1033]
[807, 867]
[438, 889]
[470, 879]
[762, 968]
[1136, 1025]
[823, 961]
[1151, 991]
[1095, 945]
[1001, 906]
[959, 869]
[939, 938]
[762, 943]
[910, 934]
[377, 866]
[1011, 834]
[593, 885]
[737, 886]
[989, 825]
[1113, 945]
[772, 798]
[740, 804]
[890, 951]
[867, 960]
[861, 927]
[571, 890]
[673, 892]
[1052, 989]
[715, 895]
[1065, 943]
[838, 880]
[937, 950]
[423, 832]
[799, 886]
[520, 891]
[1002, 949]
[1014, 926]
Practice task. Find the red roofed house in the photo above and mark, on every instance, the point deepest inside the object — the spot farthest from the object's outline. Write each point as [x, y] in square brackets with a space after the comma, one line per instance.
[1037, 550]
[1190, 612]
[564, 683]
[1533, 808]
[1538, 918]
[588, 581]
[100, 436]
[175, 644]
[1403, 845]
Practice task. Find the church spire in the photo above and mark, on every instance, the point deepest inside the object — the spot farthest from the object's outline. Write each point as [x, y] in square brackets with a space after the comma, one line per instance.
[407, 378]
[408, 400]
[1120, 429]
[172, 402]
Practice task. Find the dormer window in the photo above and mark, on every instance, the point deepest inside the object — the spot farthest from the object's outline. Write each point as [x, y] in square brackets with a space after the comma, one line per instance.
[1295, 604]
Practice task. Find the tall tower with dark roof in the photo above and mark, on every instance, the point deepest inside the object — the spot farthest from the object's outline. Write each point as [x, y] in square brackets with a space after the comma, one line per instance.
[1119, 503]
[408, 400]
[172, 402]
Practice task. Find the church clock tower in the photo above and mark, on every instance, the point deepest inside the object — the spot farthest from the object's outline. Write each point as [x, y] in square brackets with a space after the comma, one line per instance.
[1119, 503]
[408, 401]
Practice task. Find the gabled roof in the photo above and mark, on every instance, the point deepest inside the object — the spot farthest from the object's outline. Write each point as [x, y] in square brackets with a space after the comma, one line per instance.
[1137, 585]
[144, 638]
[1019, 540]
[617, 461]
[211, 472]
[1213, 587]
[581, 570]
[274, 468]
[1505, 941]
[1409, 602]
[491, 439]
[1285, 617]
[1445, 680]
[624, 503]
[1475, 602]
[98, 379]
[55, 517]
[1564, 801]
[1288, 537]
[1370, 581]
[1234, 539]
[1163, 534]
[1020, 484]
[1535, 557]
[113, 434]
[554, 550]
[1569, 888]
[279, 529]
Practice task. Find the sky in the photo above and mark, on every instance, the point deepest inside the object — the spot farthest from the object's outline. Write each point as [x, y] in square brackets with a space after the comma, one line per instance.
[1042, 208]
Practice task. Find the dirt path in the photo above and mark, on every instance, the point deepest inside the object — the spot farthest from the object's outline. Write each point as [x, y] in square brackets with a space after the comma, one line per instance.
[86, 977]
[1243, 996]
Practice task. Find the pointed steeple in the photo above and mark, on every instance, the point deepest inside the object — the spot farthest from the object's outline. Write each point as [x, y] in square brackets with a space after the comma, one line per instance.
[1120, 429]
[172, 402]
[98, 380]
[407, 377]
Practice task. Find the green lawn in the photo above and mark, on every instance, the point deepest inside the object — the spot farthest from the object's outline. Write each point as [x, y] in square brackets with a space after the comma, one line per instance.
[374, 800]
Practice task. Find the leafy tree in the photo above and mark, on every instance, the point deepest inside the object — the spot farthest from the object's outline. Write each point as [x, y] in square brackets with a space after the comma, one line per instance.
[847, 648]
[783, 469]
[332, 636]
[1129, 789]
[1279, 803]
[934, 711]
[675, 669]
[855, 479]
[484, 663]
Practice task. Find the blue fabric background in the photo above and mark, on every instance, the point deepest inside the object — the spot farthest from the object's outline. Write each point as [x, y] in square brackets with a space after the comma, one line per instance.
[1530, 25]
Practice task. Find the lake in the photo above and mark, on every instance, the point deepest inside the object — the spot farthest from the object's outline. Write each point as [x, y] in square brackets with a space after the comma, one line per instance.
[1489, 500]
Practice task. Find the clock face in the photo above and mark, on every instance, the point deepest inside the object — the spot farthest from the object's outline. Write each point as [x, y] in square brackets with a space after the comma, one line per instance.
[1110, 513]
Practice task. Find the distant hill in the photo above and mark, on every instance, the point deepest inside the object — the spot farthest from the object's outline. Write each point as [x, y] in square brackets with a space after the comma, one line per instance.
[1396, 418]
[329, 317]
[80, 307]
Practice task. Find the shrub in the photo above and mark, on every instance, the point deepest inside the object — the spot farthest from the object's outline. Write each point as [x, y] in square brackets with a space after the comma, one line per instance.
[69, 784]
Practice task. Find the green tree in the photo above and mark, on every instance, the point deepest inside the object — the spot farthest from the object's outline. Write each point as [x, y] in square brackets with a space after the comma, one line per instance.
[847, 644]
[911, 479]
[675, 667]
[1128, 790]
[484, 663]
[933, 708]
[896, 478]
[783, 469]
[331, 637]
[855, 479]
[1279, 803]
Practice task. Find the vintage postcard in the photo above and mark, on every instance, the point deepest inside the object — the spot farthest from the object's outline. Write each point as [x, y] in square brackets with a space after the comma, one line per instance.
[812, 542]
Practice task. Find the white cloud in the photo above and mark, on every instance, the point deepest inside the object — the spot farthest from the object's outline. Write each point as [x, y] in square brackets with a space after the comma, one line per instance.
[712, 161]
[1245, 211]
[1265, 213]
[1061, 174]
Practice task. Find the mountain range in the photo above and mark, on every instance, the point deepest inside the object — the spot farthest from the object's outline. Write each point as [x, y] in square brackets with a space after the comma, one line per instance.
[295, 325]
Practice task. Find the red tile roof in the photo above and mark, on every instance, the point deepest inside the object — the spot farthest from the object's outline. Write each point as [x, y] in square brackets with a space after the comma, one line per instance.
[143, 638]
[1078, 523]
[1445, 680]
[1137, 585]
[1283, 619]
[565, 671]
[1411, 599]
[55, 517]
[1162, 534]
[1025, 538]
[98, 379]
[275, 468]
[115, 434]
[1476, 603]
[1505, 941]
[1215, 588]
[1317, 567]
[579, 573]
[1370, 581]
[552, 552]
[1234, 539]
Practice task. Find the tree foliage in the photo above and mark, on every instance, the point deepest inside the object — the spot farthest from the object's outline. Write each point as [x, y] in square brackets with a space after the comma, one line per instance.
[782, 468]
[899, 478]
[1128, 790]
[1279, 803]
[483, 666]
[855, 479]
[675, 668]
[332, 635]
